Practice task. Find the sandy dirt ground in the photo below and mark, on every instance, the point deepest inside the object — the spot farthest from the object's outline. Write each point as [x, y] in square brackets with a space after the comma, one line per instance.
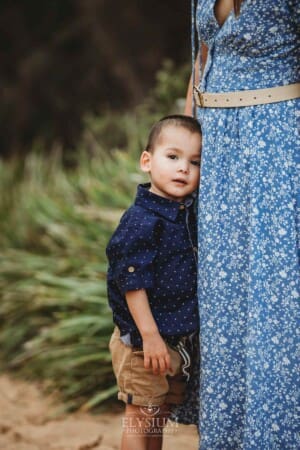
[29, 421]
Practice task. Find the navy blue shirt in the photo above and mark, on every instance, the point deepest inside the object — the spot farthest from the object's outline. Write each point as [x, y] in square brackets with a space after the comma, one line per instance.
[154, 248]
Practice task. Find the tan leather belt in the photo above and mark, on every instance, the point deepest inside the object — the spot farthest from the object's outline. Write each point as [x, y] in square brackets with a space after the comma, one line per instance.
[246, 98]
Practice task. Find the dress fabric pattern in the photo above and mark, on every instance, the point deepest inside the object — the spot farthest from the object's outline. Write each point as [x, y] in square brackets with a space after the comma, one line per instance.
[249, 233]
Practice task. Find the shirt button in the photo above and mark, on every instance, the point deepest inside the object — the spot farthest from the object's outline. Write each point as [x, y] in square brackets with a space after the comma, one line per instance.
[195, 249]
[131, 269]
[181, 207]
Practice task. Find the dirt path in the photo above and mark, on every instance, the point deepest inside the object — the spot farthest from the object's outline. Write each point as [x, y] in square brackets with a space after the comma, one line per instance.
[27, 422]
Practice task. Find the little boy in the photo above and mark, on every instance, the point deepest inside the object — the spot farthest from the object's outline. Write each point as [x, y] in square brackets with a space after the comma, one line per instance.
[152, 282]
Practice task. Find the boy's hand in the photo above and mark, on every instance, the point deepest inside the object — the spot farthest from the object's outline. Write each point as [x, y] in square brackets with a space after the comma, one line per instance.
[156, 355]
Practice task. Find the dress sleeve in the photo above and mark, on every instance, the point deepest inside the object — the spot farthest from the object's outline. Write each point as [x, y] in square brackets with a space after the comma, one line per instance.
[131, 253]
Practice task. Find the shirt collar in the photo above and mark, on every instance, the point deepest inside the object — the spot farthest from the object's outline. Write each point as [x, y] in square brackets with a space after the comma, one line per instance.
[163, 206]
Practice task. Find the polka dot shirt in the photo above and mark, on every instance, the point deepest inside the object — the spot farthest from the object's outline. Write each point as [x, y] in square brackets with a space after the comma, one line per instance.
[154, 248]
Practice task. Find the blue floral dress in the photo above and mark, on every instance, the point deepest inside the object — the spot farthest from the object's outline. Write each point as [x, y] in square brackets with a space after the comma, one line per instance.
[249, 233]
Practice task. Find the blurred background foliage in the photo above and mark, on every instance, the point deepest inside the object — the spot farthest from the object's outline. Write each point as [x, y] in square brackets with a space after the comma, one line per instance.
[62, 60]
[58, 207]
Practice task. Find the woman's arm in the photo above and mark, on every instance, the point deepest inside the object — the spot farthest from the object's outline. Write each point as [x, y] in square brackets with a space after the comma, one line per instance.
[188, 110]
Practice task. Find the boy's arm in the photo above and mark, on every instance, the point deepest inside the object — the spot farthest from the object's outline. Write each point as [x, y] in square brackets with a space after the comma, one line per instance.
[156, 354]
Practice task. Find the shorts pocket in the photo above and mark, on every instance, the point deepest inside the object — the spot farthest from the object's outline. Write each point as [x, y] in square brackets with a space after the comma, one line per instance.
[145, 382]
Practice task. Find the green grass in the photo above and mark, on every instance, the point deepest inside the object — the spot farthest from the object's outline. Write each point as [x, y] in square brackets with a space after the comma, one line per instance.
[54, 316]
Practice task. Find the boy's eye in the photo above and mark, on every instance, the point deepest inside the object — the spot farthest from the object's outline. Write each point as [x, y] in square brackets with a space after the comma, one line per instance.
[195, 163]
[172, 156]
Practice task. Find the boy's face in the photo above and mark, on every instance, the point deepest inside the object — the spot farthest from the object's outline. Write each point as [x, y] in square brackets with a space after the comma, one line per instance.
[174, 163]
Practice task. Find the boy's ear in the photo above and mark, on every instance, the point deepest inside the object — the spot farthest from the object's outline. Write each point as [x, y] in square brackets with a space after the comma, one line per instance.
[145, 161]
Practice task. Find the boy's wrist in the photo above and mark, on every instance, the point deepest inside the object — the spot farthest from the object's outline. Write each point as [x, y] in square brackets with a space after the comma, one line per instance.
[149, 331]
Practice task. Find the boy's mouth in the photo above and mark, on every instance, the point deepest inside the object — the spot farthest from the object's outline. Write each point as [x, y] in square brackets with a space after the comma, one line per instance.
[180, 181]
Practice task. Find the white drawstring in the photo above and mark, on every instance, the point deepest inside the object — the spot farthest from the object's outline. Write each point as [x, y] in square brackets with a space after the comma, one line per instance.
[186, 359]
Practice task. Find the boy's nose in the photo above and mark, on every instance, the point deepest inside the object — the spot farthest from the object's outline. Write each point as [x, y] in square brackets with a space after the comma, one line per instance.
[184, 168]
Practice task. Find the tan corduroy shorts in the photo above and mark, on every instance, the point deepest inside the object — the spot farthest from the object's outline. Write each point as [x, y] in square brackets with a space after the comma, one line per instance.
[139, 386]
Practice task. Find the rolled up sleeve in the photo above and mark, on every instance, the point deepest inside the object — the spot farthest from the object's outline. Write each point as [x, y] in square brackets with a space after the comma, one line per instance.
[131, 253]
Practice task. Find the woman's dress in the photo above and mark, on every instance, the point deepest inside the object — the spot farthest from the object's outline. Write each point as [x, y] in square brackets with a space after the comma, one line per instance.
[249, 233]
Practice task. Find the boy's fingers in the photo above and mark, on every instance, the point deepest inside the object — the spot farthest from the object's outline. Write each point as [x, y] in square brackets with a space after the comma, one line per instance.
[168, 361]
[158, 364]
[146, 362]
[162, 365]
[154, 363]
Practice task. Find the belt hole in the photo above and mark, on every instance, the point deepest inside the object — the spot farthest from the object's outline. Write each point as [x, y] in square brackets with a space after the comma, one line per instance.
[254, 98]
[227, 99]
[216, 101]
[269, 95]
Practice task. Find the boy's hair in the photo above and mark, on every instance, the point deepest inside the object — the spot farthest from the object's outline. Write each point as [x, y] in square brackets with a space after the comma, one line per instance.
[176, 120]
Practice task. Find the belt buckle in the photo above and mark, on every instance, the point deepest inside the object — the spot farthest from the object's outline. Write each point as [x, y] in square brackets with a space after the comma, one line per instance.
[201, 99]
[199, 96]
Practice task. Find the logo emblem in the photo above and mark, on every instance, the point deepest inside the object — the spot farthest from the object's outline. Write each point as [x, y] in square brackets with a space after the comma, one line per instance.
[150, 410]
